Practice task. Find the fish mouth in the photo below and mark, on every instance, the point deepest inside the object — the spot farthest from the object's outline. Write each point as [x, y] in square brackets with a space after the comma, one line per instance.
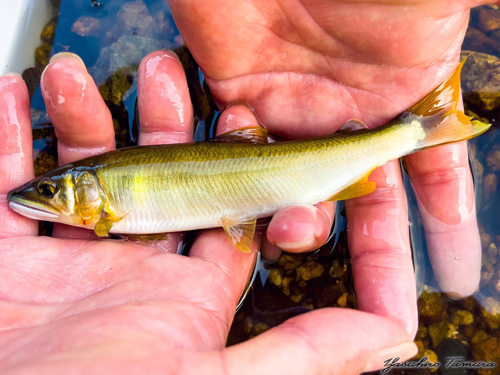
[32, 209]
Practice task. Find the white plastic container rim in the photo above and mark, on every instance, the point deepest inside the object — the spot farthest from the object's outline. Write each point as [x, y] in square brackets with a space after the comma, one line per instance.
[21, 23]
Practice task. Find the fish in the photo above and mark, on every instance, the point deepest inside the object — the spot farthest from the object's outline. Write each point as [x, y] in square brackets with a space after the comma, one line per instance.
[234, 179]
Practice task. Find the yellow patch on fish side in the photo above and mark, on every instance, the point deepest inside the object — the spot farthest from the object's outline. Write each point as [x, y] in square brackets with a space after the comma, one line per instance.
[139, 189]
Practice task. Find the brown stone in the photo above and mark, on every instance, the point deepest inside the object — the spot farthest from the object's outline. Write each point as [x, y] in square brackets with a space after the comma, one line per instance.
[469, 330]
[476, 41]
[289, 262]
[485, 237]
[487, 272]
[481, 80]
[49, 32]
[342, 301]
[86, 26]
[431, 307]
[438, 332]
[480, 335]
[486, 350]
[490, 312]
[490, 182]
[493, 159]
[309, 270]
[336, 270]
[462, 318]
[421, 332]
[275, 277]
[489, 20]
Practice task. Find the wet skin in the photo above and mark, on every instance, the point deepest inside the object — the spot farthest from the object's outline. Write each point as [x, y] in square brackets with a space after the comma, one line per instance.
[107, 305]
[308, 66]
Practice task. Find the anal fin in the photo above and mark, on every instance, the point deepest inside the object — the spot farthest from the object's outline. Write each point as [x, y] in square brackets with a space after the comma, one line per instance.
[358, 189]
[240, 231]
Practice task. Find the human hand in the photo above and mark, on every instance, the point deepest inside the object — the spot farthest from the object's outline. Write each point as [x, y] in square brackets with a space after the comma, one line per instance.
[75, 304]
[308, 67]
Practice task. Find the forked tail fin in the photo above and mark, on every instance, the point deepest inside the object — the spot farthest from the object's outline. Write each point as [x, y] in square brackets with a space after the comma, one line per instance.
[438, 114]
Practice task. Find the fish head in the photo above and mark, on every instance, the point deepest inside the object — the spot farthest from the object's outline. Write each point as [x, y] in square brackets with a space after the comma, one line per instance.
[66, 195]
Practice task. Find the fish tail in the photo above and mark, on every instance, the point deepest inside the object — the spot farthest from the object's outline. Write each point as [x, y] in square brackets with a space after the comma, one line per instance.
[437, 113]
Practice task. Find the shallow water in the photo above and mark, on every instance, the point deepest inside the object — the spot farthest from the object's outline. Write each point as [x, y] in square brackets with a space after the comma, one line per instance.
[295, 284]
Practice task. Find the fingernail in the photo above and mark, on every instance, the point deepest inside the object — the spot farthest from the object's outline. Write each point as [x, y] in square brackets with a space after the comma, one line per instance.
[12, 74]
[67, 55]
[171, 53]
[306, 244]
[395, 354]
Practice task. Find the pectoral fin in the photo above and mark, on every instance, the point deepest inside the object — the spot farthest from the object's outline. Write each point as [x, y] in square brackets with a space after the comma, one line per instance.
[240, 231]
[358, 189]
[104, 224]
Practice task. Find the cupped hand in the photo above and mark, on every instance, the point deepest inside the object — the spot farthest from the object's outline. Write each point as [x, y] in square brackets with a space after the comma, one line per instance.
[76, 304]
[306, 67]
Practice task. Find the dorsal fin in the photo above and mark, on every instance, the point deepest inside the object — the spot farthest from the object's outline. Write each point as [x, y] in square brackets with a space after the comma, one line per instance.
[353, 125]
[254, 134]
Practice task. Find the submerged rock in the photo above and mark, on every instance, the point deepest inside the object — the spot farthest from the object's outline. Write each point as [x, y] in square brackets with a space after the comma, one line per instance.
[431, 306]
[476, 41]
[86, 26]
[162, 25]
[493, 159]
[490, 182]
[489, 20]
[134, 18]
[481, 80]
[490, 312]
[462, 317]
[128, 50]
[309, 270]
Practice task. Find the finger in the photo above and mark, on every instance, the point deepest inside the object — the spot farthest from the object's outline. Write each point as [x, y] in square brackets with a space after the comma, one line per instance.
[214, 246]
[81, 119]
[378, 240]
[165, 109]
[236, 116]
[270, 251]
[301, 228]
[16, 152]
[326, 341]
[443, 185]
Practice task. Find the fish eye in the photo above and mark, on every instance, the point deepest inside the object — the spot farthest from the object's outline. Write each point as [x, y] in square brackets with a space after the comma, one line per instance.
[47, 188]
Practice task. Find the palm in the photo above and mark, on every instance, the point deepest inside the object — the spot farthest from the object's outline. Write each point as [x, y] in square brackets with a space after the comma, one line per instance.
[308, 66]
[121, 290]
[319, 62]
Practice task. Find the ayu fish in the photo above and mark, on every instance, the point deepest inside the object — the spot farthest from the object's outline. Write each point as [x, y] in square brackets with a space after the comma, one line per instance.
[233, 179]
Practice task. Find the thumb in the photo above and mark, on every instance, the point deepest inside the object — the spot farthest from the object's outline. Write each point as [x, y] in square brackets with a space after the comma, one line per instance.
[326, 341]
